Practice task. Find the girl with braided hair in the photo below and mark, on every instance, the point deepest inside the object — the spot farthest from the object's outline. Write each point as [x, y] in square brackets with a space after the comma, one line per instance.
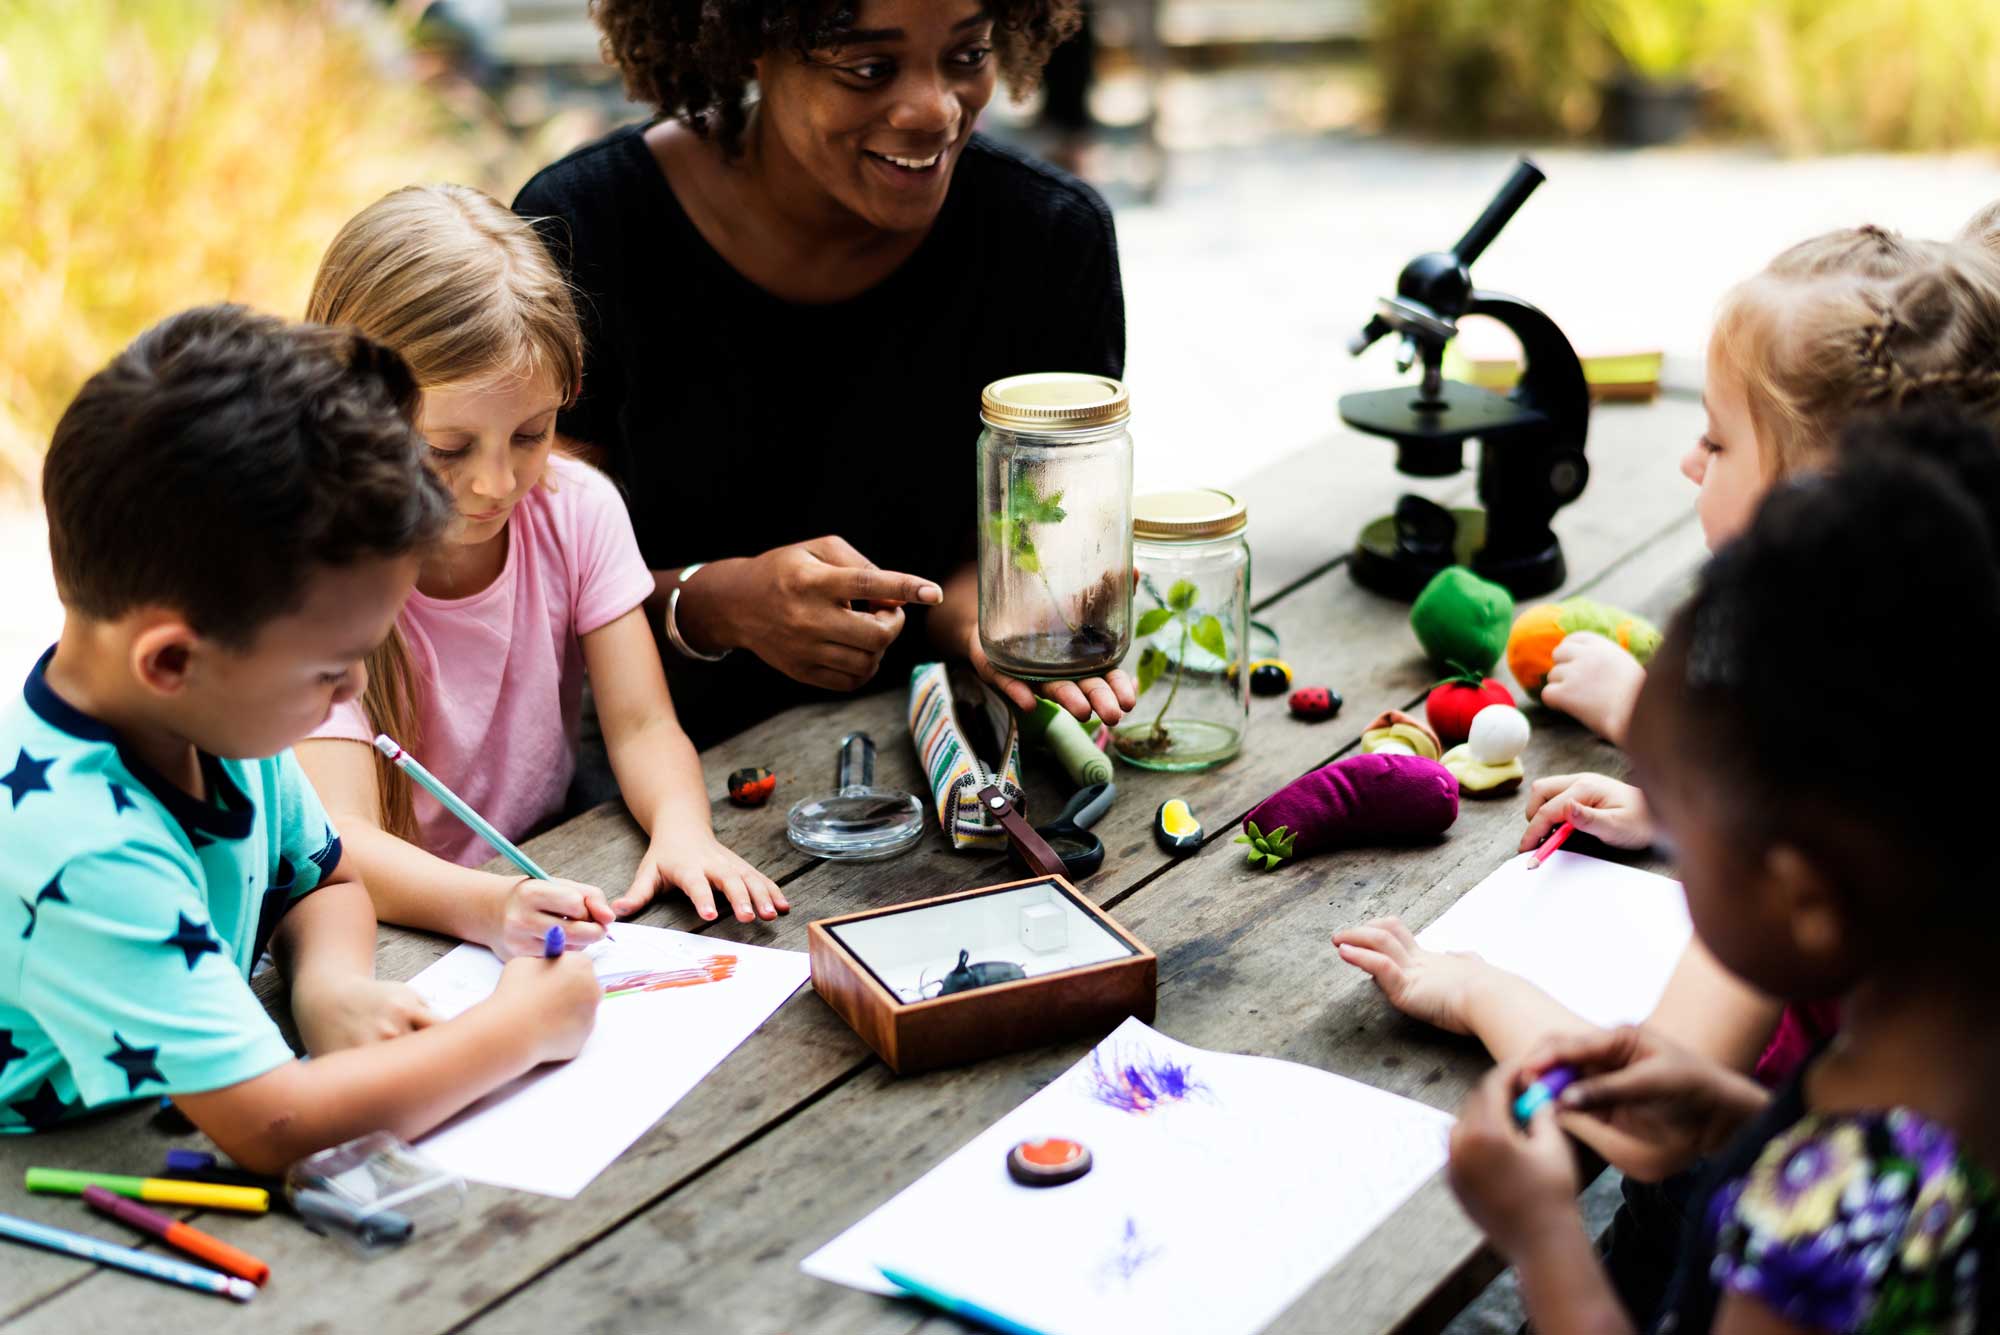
[794, 282]
[1833, 330]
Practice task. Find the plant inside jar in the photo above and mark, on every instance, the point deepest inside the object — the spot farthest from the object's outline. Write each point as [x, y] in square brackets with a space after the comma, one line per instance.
[1196, 629]
[1085, 644]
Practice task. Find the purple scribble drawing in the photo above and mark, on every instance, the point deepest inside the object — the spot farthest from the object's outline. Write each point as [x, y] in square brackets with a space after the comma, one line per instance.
[1142, 1082]
[1130, 1257]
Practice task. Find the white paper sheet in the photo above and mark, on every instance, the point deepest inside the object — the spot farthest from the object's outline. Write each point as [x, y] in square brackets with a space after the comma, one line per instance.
[1599, 937]
[1209, 1208]
[685, 1002]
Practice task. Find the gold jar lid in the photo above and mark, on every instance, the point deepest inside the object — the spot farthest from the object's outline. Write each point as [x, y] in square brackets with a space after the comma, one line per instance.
[1187, 516]
[1054, 401]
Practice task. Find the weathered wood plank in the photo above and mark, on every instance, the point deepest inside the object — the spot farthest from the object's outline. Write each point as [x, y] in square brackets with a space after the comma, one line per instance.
[804, 1050]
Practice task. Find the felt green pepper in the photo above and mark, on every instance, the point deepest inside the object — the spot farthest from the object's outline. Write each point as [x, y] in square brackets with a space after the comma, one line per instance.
[1461, 619]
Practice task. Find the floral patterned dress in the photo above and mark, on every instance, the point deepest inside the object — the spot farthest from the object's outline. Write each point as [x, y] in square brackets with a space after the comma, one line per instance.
[1867, 1223]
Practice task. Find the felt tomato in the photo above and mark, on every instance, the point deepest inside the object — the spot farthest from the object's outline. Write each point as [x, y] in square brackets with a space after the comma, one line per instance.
[1454, 702]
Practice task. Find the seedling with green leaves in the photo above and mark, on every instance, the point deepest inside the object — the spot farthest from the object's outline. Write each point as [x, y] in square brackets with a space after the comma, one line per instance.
[1267, 850]
[1012, 530]
[1197, 628]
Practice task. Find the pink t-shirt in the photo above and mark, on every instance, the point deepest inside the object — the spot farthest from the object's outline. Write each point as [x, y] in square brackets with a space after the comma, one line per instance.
[500, 674]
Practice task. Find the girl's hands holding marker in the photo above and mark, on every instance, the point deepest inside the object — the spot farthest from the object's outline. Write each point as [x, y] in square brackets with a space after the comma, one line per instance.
[1518, 1183]
[557, 1000]
[1603, 808]
[696, 862]
[532, 907]
[1673, 1106]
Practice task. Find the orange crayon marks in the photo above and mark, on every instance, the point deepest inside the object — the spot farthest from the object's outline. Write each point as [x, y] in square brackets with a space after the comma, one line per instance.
[711, 969]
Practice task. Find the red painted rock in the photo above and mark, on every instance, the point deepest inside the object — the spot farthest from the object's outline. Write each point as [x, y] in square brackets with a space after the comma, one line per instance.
[1313, 703]
[752, 787]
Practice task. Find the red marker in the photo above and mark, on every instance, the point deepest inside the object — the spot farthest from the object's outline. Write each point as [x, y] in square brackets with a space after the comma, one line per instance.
[1551, 844]
[176, 1234]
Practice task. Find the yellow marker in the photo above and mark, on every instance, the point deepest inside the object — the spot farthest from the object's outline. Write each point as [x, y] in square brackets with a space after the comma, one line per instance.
[165, 1191]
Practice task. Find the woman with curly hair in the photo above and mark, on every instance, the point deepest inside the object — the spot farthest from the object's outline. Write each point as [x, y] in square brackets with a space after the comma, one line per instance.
[794, 283]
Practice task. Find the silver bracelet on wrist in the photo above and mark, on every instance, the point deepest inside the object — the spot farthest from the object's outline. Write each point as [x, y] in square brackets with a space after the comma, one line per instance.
[673, 629]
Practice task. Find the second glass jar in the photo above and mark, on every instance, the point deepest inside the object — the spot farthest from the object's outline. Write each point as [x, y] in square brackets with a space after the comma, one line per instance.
[1192, 559]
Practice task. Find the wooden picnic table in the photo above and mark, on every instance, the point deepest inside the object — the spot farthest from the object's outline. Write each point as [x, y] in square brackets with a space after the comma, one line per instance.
[700, 1226]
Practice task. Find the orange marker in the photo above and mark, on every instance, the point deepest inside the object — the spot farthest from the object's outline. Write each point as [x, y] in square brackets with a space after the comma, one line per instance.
[176, 1234]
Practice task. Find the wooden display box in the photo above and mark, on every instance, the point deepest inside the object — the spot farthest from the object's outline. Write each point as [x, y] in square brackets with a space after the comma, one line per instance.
[881, 970]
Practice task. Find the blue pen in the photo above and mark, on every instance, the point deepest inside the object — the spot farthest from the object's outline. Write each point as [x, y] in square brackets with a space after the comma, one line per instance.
[87, 1248]
[944, 1302]
[451, 802]
[1550, 1084]
[553, 943]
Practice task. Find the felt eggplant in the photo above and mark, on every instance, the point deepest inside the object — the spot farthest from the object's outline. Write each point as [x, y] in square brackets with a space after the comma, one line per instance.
[1364, 799]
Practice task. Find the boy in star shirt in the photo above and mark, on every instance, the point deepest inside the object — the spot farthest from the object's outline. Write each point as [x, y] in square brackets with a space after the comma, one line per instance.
[237, 507]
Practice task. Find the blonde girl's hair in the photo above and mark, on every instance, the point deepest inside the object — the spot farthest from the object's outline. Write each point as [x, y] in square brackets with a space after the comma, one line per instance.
[462, 287]
[1857, 320]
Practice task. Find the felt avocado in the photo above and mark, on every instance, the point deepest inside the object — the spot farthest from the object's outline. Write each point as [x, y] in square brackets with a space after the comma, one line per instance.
[1394, 733]
[1174, 827]
[1531, 647]
[1461, 620]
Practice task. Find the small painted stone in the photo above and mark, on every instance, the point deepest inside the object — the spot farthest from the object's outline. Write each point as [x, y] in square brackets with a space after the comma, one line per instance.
[1048, 1163]
[1270, 676]
[1313, 703]
[1175, 829]
[752, 787]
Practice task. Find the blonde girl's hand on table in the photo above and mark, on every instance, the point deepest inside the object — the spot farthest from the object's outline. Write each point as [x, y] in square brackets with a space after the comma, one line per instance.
[1609, 811]
[1595, 682]
[701, 867]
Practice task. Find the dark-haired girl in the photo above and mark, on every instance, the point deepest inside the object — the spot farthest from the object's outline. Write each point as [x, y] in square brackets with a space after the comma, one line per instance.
[1825, 859]
[791, 301]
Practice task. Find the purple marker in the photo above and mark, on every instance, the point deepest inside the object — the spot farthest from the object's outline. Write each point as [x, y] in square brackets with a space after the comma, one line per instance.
[1546, 1089]
[552, 944]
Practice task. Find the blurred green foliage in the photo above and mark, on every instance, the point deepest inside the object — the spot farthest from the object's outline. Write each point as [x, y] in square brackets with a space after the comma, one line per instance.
[1806, 75]
[165, 153]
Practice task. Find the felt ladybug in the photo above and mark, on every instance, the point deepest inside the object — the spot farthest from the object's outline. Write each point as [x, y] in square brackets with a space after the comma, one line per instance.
[1313, 703]
[1455, 701]
[1270, 676]
[752, 787]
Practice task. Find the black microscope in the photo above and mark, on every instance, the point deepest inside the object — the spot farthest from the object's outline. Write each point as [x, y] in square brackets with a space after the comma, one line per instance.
[1531, 460]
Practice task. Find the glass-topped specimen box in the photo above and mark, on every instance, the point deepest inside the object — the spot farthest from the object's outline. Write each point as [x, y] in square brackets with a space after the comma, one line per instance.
[950, 980]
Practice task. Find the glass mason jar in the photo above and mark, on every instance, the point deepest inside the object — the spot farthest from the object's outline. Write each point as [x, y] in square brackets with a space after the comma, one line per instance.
[1193, 602]
[1055, 530]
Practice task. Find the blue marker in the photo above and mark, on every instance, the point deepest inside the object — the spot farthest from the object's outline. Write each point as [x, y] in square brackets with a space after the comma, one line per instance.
[553, 943]
[85, 1247]
[1547, 1087]
[944, 1302]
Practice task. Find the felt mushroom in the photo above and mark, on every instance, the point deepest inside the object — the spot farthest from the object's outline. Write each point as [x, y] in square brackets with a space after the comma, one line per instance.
[1394, 733]
[1489, 762]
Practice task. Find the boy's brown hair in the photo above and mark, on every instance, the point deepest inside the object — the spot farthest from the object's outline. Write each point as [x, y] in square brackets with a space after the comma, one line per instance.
[221, 458]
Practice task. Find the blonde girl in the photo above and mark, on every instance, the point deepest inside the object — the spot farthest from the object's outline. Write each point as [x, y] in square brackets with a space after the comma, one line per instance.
[1844, 324]
[539, 583]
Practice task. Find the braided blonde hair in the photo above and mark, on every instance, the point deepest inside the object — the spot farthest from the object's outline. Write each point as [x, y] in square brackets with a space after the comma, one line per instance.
[462, 287]
[1856, 320]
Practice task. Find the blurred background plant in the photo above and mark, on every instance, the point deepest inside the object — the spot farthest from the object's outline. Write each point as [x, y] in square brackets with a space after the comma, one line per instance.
[161, 153]
[1805, 75]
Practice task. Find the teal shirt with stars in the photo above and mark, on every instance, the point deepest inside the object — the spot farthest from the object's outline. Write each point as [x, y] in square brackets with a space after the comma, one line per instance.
[131, 914]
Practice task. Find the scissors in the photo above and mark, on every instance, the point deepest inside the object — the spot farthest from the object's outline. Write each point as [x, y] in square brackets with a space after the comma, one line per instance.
[1069, 835]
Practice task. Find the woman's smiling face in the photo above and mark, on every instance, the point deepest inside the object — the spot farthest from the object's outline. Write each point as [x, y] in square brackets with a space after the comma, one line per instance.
[879, 117]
